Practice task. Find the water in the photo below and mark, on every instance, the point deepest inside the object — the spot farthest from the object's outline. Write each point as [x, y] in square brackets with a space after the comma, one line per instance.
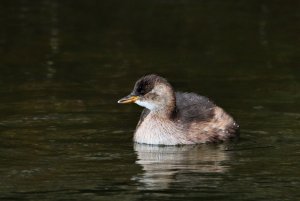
[63, 66]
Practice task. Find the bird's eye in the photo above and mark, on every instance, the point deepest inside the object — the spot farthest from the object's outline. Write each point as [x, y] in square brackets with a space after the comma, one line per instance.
[142, 87]
[141, 90]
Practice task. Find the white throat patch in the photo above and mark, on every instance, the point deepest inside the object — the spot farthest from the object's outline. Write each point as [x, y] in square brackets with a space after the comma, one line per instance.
[145, 104]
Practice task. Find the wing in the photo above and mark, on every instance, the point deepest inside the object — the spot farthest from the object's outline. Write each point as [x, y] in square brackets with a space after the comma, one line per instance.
[192, 107]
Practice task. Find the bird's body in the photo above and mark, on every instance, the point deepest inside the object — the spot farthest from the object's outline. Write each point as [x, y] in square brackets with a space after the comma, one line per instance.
[171, 118]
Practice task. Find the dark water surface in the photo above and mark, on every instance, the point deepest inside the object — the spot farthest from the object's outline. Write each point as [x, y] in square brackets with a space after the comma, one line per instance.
[64, 64]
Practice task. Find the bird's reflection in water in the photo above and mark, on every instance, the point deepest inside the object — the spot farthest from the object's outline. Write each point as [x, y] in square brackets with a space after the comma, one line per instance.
[163, 165]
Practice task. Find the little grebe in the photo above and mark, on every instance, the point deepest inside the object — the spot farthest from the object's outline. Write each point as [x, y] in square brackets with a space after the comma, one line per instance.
[172, 118]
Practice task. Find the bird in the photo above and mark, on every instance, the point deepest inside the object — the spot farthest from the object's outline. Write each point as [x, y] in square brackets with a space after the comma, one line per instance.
[177, 118]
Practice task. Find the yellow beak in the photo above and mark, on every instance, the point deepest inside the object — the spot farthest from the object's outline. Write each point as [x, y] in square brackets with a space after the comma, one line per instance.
[128, 99]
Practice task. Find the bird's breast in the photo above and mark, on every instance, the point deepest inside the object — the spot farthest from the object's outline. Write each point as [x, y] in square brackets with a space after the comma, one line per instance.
[154, 130]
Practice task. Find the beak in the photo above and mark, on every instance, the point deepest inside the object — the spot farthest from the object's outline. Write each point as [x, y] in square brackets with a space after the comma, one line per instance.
[128, 99]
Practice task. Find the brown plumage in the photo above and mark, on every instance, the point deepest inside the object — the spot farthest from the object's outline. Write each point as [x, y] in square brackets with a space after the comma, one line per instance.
[171, 118]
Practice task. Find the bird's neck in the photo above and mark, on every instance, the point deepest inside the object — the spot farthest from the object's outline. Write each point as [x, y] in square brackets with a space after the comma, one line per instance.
[168, 110]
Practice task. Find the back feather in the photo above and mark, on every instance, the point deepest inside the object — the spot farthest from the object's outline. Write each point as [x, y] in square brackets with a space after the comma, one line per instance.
[192, 107]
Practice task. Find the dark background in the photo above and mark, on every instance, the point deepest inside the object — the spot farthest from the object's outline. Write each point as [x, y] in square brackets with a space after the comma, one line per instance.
[64, 64]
